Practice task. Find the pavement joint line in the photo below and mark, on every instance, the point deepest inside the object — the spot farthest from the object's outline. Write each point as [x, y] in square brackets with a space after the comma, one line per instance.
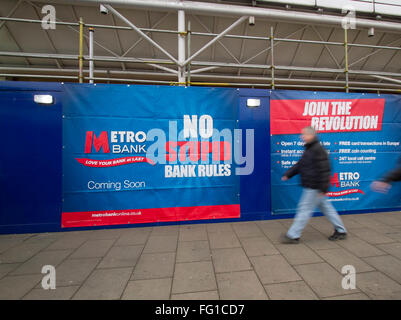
[339, 242]
[377, 271]
[136, 263]
[253, 267]
[230, 229]
[175, 263]
[214, 269]
[72, 251]
[385, 273]
[93, 270]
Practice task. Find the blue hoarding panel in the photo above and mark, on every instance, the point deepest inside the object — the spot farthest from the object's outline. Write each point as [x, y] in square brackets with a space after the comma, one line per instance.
[30, 158]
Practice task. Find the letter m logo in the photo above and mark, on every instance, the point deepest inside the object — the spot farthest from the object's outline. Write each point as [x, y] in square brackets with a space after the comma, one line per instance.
[98, 142]
[334, 180]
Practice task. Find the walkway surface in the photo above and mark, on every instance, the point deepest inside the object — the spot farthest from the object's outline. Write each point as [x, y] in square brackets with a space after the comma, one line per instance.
[242, 260]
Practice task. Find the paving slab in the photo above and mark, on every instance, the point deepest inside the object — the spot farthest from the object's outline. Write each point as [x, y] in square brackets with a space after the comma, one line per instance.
[151, 289]
[193, 233]
[165, 231]
[247, 229]
[297, 290]
[273, 232]
[135, 236]
[223, 240]
[208, 261]
[341, 257]
[203, 295]
[298, 254]
[219, 227]
[106, 234]
[73, 272]
[367, 221]
[391, 248]
[388, 265]
[67, 242]
[104, 284]
[15, 287]
[395, 236]
[36, 263]
[191, 251]
[124, 256]
[241, 285]
[259, 246]
[389, 219]
[163, 243]
[359, 247]
[324, 280]
[60, 293]
[378, 286]
[317, 241]
[22, 252]
[274, 269]
[154, 265]
[193, 277]
[93, 249]
[7, 243]
[230, 259]
[6, 268]
[371, 236]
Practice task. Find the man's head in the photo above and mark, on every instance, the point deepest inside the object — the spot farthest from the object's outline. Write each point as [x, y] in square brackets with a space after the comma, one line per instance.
[308, 134]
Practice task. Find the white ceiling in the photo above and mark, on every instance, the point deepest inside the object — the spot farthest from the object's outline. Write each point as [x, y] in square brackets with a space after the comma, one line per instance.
[31, 38]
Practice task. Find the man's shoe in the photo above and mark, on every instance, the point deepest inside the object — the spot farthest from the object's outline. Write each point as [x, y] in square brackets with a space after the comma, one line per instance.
[287, 240]
[338, 236]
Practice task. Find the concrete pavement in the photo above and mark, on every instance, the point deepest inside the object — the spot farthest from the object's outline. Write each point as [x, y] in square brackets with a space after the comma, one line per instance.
[241, 260]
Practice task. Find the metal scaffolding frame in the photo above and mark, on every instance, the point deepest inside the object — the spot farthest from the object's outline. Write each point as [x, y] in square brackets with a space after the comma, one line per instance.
[184, 68]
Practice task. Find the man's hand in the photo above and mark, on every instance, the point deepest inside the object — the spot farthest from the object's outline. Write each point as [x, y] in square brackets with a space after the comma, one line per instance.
[284, 178]
[380, 186]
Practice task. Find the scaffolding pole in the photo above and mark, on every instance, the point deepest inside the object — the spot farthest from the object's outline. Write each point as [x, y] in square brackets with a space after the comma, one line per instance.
[181, 47]
[81, 51]
[189, 53]
[346, 60]
[272, 56]
[91, 63]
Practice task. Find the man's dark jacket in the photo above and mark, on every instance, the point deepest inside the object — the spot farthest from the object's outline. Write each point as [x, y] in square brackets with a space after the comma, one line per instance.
[314, 167]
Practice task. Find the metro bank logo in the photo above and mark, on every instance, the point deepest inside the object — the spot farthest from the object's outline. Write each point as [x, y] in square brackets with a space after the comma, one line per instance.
[343, 180]
[98, 142]
[121, 142]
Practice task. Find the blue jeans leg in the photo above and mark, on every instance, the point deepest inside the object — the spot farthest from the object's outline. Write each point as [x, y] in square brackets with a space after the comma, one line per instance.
[331, 214]
[307, 204]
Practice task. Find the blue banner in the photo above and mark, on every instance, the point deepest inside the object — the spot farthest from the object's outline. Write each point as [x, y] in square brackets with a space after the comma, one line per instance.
[361, 132]
[135, 154]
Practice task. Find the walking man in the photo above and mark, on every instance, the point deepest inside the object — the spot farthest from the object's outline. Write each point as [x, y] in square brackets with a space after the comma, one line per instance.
[384, 184]
[314, 169]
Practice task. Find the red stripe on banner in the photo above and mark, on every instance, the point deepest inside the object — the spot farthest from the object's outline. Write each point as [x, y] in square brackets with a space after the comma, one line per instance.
[334, 115]
[343, 193]
[132, 216]
[113, 162]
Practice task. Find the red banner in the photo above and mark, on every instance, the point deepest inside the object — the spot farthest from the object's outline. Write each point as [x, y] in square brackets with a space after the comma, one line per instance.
[113, 162]
[134, 216]
[343, 193]
[334, 115]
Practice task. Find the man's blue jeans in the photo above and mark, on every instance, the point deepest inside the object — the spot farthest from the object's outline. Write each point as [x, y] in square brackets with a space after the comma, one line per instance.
[311, 199]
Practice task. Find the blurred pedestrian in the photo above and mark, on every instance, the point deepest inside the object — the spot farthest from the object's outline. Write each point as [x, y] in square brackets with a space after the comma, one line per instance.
[314, 169]
[383, 185]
